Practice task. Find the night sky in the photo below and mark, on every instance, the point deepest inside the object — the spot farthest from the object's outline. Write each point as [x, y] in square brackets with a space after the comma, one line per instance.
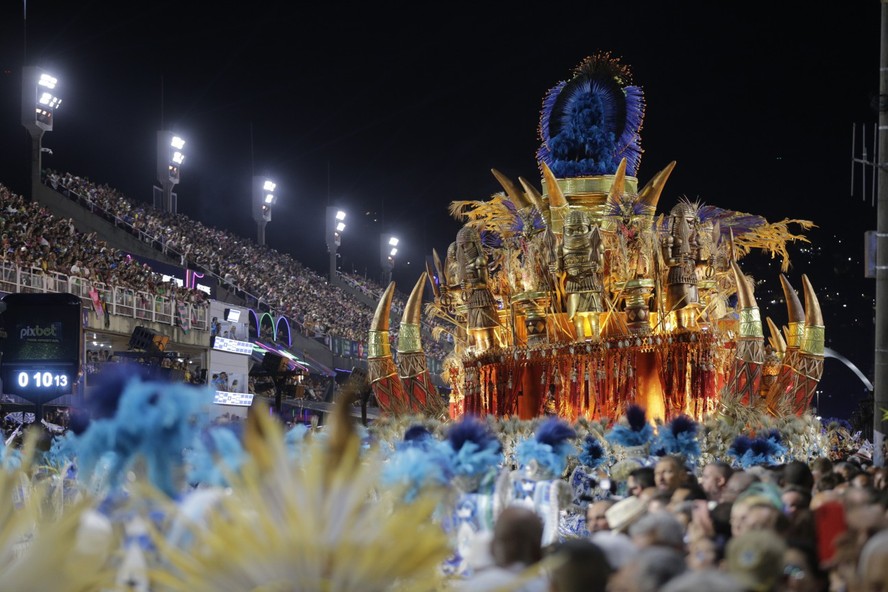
[393, 115]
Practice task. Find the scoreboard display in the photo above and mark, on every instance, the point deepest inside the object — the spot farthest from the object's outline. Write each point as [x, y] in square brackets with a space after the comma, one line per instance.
[43, 345]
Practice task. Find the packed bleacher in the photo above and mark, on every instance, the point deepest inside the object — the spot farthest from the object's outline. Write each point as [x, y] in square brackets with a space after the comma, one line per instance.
[33, 238]
[269, 278]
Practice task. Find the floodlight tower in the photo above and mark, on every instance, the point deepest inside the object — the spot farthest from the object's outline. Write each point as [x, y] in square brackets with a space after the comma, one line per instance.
[263, 200]
[39, 102]
[169, 162]
[388, 248]
[335, 228]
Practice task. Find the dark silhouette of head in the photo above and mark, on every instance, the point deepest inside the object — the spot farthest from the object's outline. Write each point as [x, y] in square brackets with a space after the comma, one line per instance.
[517, 537]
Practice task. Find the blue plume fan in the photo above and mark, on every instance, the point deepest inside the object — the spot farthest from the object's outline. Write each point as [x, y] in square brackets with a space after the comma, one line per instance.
[740, 445]
[216, 454]
[416, 436]
[417, 432]
[762, 450]
[105, 396]
[678, 437]
[592, 121]
[636, 417]
[549, 447]
[592, 452]
[415, 469]
[636, 432]
[682, 424]
[471, 429]
[472, 449]
[554, 432]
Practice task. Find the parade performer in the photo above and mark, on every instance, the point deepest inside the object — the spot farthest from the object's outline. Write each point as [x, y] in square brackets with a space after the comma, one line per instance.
[538, 481]
[475, 458]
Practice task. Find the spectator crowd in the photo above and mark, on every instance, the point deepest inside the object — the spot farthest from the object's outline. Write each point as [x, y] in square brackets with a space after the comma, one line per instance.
[269, 278]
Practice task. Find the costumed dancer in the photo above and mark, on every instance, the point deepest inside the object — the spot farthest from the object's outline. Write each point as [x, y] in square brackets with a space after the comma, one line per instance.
[537, 483]
[589, 482]
[139, 419]
[475, 457]
[631, 439]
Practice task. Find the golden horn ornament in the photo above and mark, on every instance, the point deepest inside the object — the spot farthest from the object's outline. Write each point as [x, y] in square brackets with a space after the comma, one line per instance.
[813, 335]
[383, 374]
[536, 198]
[795, 314]
[749, 356]
[409, 339]
[778, 344]
[512, 191]
[619, 186]
[553, 189]
[651, 192]
[750, 317]
[420, 390]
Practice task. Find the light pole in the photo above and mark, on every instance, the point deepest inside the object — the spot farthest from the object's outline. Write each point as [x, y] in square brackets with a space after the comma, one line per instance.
[263, 200]
[169, 163]
[388, 248]
[880, 392]
[335, 228]
[39, 102]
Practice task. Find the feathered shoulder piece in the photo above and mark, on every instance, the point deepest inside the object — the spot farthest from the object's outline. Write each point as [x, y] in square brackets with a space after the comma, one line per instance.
[636, 431]
[764, 449]
[549, 447]
[416, 436]
[592, 453]
[592, 121]
[679, 438]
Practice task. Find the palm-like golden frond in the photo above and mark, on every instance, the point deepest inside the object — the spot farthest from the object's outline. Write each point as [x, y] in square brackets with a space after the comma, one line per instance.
[492, 215]
[319, 523]
[47, 550]
[772, 238]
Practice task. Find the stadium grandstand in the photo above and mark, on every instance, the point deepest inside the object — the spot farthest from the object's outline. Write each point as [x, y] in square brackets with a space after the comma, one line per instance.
[188, 300]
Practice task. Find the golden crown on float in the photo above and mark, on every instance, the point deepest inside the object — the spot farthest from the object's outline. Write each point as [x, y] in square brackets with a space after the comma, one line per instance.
[577, 299]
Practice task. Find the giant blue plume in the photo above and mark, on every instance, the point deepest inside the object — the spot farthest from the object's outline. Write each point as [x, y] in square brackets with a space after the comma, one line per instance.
[592, 121]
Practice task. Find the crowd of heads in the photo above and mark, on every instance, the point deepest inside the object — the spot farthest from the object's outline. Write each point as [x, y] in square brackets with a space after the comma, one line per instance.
[32, 237]
[812, 527]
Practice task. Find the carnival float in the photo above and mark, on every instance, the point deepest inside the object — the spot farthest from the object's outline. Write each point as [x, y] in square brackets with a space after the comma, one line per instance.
[578, 296]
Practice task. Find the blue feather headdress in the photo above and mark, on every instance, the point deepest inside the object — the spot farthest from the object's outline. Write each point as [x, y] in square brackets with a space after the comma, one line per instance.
[592, 453]
[415, 468]
[592, 121]
[416, 436]
[154, 420]
[635, 432]
[765, 449]
[549, 447]
[473, 449]
[678, 437]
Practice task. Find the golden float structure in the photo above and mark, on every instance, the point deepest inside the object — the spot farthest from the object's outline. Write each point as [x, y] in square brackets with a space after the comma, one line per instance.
[579, 298]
